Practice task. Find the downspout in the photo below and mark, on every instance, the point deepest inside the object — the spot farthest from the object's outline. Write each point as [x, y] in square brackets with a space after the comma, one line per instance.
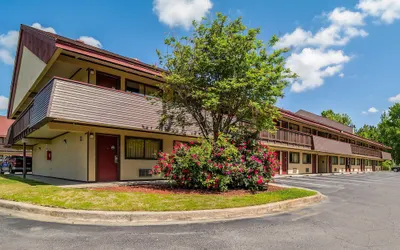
[89, 72]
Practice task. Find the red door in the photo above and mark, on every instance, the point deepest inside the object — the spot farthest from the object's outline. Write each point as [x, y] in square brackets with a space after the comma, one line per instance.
[107, 151]
[284, 162]
[329, 164]
[108, 81]
[314, 164]
[362, 165]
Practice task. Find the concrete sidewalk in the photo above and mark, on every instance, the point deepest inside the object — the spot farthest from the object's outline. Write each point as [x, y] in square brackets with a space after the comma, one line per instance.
[78, 184]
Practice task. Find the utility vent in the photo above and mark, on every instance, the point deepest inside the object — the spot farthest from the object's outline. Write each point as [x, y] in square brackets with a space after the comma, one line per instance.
[307, 170]
[145, 172]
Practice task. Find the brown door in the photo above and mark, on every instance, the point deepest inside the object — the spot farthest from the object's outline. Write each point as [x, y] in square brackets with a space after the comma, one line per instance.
[107, 152]
[284, 162]
[314, 164]
[107, 80]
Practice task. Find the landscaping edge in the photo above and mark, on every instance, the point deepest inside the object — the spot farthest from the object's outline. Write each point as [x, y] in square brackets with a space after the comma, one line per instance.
[114, 218]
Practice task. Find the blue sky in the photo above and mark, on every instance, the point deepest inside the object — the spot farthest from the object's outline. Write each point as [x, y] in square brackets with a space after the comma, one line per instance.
[345, 51]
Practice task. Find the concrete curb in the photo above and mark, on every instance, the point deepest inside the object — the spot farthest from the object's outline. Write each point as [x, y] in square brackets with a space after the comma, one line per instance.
[69, 216]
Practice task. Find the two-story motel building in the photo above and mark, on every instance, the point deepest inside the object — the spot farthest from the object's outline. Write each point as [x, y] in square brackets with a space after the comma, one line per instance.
[86, 115]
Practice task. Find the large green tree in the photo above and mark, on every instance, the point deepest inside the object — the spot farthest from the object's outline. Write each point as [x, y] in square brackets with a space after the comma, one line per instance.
[370, 132]
[389, 129]
[222, 78]
[342, 118]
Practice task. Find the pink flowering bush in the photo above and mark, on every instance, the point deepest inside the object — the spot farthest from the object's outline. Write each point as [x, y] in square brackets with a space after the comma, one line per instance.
[224, 165]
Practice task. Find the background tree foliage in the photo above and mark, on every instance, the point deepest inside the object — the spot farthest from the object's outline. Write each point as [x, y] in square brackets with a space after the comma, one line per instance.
[223, 78]
[386, 132]
[342, 118]
[389, 130]
[370, 132]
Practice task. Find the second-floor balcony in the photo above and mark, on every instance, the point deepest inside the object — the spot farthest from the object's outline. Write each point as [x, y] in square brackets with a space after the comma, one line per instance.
[288, 137]
[358, 150]
[63, 100]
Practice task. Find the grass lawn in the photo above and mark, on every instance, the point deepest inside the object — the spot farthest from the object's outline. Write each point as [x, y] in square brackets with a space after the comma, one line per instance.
[18, 189]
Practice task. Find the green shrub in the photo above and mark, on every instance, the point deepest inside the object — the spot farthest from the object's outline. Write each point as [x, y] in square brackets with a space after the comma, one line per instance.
[387, 165]
[222, 165]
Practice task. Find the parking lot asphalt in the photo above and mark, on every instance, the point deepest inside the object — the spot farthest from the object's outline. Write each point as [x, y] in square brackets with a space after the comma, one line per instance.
[362, 212]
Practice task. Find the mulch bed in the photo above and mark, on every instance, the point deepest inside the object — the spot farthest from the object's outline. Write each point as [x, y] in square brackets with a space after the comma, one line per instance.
[165, 189]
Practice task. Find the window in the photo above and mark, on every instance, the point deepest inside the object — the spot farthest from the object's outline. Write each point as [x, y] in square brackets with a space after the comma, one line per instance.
[306, 130]
[342, 160]
[322, 134]
[141, 148]
[353, 161]
[365, 162]
[294, 157]
[145, 172]
[136, 87]
[306, 158]
[307, 170]
[294, 127]
[352, 142]
[335, 137]
[334, 160]
[358, 162]
[342, 139]
[369, 163]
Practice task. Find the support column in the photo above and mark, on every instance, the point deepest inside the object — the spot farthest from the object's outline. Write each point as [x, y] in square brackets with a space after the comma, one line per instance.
[24, 161]
[281, 161]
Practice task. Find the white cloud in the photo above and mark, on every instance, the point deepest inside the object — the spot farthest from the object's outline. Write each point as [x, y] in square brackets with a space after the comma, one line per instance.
[40, 27]
[333, 35]
[176, 13]
[6, 57]
[341, 30]
[395, 98]
[386, 10]
[372, 110]
[90, 41]
[9, 40]
[313, 66]
[343, 17]
[3, 103]
[341, 75]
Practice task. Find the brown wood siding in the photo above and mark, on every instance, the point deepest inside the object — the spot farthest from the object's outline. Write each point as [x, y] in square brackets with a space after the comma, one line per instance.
[386, 156]
[41, 104]
[322, 144]
[85, 103]
[358, 150]
[287, 137]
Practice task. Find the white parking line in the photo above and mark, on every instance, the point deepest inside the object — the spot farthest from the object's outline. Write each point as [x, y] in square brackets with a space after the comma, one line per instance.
[331, 181]
[303, 182]
[343, 179]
